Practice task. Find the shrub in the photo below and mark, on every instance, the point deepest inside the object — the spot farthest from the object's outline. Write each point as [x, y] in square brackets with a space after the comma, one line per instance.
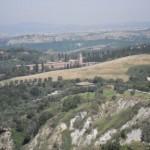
[26, 140]
[111, 146]
[66, 143]
[35, 91]
[114, 97]
[146, 132]
[71, 103]
[60, 78]
[132, 92]
[44, 116]
[98, 80]
[123, 134]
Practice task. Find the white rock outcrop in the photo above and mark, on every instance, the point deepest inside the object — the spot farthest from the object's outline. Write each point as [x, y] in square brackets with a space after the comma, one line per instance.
[106, 137]
[134, 135]
[90, 137]
[81, 115]
[6, 142]
[78, 135]
[142, 114]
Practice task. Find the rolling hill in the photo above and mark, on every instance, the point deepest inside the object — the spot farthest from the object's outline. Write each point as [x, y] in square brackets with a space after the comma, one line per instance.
[109, 70]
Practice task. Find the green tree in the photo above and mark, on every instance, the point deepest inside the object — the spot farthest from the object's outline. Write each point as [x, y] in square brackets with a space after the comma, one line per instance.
[42, 67]
[35, 91]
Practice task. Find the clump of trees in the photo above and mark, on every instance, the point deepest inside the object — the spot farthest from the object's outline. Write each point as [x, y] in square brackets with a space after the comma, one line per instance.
[138, 77]
[18, 56]
[106, 54]
[140, 72]
[120, 87]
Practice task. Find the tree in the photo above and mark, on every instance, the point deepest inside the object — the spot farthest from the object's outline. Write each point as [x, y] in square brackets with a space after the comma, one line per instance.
[114, 97]
[123, 134]
[71, 103]
[60, 78]
[77, 80]
[98, 80]
[49, 79]
[44, 116]
[26, 139]
[35, 91]
[36, 67]
[99, 96]
[42, 67]
[132, 92]
[120, 86]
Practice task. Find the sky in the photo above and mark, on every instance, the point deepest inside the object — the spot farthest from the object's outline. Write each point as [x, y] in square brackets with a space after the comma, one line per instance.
[80, 12]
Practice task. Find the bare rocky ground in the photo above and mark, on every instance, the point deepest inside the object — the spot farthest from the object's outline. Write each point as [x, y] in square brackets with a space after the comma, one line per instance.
[6, 142]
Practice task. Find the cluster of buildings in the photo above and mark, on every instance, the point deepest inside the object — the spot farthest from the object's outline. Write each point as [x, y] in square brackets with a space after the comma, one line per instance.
[69, 64]
[72, 63]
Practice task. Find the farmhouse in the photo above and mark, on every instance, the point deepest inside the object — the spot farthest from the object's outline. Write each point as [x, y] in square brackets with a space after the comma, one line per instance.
[62, 65]
[72, 63]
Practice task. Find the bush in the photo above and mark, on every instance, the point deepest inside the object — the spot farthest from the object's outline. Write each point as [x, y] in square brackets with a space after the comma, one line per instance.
[66, 143]
[98, 80]
[120, 87]
[71, 103]
[111, 146]
[123, 134]
[146, 132]
[26, 140]
[35, 91]
[60, 78]
[132, 92]
[114, 97]
[44, 116]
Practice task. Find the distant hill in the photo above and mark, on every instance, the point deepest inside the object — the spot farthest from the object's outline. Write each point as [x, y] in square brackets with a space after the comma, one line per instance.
[36, 28]
[72, 41]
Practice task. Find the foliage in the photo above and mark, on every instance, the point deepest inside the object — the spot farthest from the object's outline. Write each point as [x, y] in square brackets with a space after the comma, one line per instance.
[44, 116]
[120, 87]
[140, 72]
[71, 103]
[138, 77]
[111, 146]
[116, 120]
[66, 144]
[18, 138]
[146, 132]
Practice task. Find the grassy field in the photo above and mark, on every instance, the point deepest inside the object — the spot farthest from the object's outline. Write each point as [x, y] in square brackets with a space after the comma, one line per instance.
[109, 70]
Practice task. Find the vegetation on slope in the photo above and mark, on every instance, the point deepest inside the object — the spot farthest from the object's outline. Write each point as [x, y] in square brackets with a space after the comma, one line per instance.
[109, 70]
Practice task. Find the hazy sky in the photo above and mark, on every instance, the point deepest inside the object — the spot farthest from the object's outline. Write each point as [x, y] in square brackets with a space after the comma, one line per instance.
[73, 11]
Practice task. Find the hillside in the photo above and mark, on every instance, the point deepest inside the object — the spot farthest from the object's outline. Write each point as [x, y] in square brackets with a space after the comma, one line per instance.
[109, 70]
[77, 40]
[78, 115]
[93, 124]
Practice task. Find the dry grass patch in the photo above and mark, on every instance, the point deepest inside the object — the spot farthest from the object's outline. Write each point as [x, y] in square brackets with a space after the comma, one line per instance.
[109, 70]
